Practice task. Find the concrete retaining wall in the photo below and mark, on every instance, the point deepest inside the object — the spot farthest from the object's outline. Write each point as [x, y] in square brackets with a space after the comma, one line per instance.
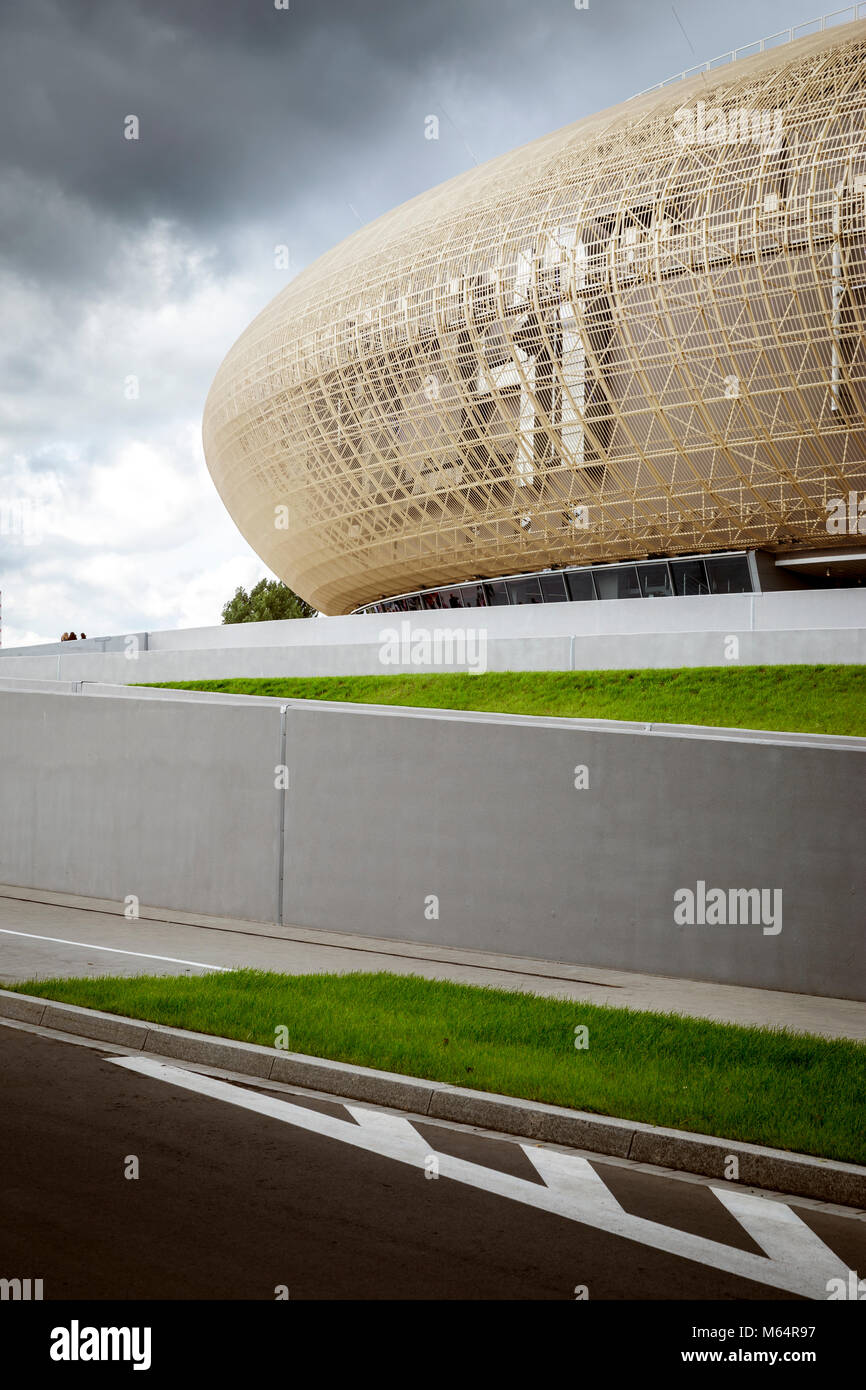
[486, 817]
[771, 629]
[167, 800]
[577, 652]
[173, 799]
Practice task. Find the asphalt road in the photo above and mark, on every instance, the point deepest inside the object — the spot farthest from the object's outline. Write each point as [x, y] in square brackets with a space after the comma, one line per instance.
[333, 1200]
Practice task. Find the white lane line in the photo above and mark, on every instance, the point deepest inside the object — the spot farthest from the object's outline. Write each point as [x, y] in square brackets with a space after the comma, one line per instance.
[796, 1260]
[116, 950]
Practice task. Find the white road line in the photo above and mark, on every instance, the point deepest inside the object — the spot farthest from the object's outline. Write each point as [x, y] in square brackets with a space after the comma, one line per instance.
[777, 1229]
[89, 946]
[796, 1260]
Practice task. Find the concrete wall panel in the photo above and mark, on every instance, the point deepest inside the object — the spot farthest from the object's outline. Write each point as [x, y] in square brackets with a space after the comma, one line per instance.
[486, 816]
[171, 801]
[502, 652]
[172, 798]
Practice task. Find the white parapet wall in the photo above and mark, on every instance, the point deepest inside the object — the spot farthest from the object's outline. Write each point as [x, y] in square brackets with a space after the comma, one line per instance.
[572, 840]
[784, 627]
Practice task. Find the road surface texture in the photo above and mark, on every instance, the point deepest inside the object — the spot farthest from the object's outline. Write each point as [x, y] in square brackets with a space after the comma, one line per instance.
[243, 1190]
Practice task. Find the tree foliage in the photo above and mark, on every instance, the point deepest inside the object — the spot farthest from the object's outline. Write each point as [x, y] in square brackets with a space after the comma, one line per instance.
[268, 601]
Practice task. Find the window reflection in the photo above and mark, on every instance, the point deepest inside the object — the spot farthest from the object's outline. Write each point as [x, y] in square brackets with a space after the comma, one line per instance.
[655, 580]
[619, 581]
[553, 588]
[729, 574]
[451, 598]
[474, 596]
[690, 577]
[580, 585]
[524, 590]
[497, 594]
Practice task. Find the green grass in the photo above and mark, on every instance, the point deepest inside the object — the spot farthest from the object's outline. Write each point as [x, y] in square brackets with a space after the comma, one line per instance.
[801, 699]
[757, 1085]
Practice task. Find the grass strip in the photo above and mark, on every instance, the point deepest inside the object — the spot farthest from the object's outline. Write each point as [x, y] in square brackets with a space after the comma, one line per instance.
[762, 1086]
[798, 699]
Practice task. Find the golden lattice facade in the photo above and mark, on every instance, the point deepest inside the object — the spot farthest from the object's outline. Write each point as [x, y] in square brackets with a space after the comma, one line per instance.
[641, 335]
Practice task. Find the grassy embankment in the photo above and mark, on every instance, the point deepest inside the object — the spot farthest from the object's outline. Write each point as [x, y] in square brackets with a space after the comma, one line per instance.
[802, 699]
[757, 1085]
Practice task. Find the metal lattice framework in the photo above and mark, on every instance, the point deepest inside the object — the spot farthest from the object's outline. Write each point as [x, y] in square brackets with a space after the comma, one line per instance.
[640, 335]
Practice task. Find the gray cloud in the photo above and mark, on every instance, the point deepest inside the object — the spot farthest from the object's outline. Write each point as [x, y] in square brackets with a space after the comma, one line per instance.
[146, 258]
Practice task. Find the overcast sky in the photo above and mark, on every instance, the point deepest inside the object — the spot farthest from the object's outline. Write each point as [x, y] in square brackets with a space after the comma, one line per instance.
[139, 262]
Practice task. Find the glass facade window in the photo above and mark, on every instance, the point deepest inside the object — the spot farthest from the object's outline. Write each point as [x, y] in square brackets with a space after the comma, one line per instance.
[729, 574]
[553, 588]
[690, 577]
[451, 598]
[524, 590]
[580, 585]
[619, 581]
[496, 593]
[711, 574]
[655, 580]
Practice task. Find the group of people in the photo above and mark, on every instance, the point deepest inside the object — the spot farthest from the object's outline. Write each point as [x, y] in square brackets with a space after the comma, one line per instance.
[73, 637]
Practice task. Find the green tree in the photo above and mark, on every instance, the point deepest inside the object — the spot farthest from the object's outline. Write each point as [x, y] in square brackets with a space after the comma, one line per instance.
[267, 601]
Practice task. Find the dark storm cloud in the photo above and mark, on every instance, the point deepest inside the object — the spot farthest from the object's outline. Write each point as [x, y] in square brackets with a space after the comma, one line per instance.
[144, 259]
[246, 110]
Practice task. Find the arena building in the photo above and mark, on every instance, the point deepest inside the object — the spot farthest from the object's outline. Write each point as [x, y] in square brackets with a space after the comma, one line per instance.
[626, 360]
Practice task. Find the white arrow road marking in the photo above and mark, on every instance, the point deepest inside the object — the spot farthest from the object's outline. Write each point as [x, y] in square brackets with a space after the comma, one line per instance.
[796, 1259]
[779, 1231]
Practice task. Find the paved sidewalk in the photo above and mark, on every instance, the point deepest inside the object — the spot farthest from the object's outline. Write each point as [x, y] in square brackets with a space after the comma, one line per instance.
[44, 934]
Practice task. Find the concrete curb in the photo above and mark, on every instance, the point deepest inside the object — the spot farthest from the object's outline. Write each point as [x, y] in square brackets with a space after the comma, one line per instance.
[799, 1175]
